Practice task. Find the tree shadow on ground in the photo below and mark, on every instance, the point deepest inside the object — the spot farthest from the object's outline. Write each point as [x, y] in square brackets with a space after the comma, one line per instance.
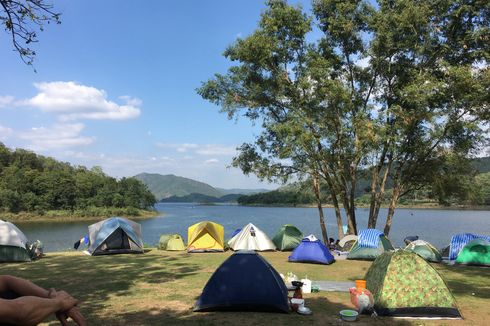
[95, 280]
[466, 280]
[166, 315]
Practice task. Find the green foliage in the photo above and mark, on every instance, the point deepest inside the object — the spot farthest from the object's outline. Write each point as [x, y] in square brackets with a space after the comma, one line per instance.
[397, 89]
[33, 183]
[21, 19]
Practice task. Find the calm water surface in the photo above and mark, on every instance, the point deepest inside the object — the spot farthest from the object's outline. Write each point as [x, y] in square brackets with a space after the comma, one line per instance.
[435, 226]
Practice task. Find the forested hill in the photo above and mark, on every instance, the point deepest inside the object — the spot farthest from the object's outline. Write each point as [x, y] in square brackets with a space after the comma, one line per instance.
[164, 186]
[34, 183]
[456, 190]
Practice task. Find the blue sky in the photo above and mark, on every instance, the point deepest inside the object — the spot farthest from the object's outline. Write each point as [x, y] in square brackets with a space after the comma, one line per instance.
[115, 87]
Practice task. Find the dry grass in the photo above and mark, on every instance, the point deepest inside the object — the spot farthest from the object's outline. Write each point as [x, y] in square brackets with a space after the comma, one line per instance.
[160, 288]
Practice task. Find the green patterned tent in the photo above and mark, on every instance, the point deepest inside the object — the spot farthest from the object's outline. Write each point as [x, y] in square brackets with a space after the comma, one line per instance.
[476, 252]
[287, 238]
[425, 250]
[405, 285]
[172, 242]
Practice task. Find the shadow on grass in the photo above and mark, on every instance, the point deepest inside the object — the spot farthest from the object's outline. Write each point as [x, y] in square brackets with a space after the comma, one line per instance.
[324, 313]
[466, 280]
[95, 281]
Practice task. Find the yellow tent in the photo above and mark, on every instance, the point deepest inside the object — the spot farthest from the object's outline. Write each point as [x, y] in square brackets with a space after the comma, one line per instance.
[205, 236]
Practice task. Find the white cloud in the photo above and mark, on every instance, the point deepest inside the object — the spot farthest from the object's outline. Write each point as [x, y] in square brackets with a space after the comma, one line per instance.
[57, 137]
[216, 150]
[72, 101]
[211, 161]
[6, 100]
[206, 149]
[182, 148]
[5, 132]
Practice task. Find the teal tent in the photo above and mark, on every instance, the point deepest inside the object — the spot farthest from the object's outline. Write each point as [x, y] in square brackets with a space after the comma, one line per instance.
[476, 252]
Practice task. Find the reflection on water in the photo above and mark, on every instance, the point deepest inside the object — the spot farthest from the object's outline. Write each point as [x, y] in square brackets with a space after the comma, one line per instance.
[435, 226]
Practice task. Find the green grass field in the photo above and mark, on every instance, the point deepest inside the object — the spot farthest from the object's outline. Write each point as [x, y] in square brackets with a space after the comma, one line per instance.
[160, 288]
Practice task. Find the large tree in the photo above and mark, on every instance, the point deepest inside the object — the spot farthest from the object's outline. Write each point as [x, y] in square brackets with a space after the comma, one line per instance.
[22, 19]
[389, 90]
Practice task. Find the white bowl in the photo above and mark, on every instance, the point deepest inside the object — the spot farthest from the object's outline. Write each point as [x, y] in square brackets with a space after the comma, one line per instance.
[304, 310]
[349, 315]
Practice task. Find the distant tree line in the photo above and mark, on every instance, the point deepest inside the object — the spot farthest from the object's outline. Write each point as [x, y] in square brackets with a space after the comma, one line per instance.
[34, 183]
[453, 189]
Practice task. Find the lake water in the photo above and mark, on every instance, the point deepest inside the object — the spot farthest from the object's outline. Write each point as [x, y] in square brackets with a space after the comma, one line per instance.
[435, 226]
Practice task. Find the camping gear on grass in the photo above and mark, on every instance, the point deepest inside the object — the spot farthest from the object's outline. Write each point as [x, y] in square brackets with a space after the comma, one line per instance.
[476, 252]
[244, 282]
[171, 242]
[348, 315]
[403, 284]
[458, 241]
[13, 243]
[287, 238]
[205, 236]
[251, 238]
[311, 250]
[306, 285]
[369, 245]
[346, 243]
[362, 299]
[115, 235]
[425, 250]
[360, 284]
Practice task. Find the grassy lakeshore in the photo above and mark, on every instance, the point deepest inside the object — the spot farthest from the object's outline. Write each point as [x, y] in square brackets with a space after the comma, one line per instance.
[160, 288]
[82, 215]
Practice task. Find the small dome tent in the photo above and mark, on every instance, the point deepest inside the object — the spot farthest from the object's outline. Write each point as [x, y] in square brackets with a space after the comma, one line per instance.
[424, 250]
[369, 245]
[13, 243]
[244, 282]
[311, 250]
[171, 242]
[458, 241]
[476, 252]
[251, 238]
[115, 235]
[347, 242]
[205, 236]
[403, 284]
[287, 238]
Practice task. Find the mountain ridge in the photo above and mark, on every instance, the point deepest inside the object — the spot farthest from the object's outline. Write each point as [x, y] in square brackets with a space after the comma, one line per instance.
[174, 187]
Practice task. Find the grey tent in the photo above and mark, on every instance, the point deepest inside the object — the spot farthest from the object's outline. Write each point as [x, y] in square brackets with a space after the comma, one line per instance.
[13, 243]
[115, 235]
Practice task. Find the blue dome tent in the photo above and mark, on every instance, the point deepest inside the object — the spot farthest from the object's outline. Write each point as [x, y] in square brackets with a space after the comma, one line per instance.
[244, 282]
[115, 235]
[311, 250]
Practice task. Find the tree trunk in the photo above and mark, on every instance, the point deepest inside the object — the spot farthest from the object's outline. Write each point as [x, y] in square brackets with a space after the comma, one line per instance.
[335, 202]
[394, 199]
[374, 199]
[316, 189]
[391, 210]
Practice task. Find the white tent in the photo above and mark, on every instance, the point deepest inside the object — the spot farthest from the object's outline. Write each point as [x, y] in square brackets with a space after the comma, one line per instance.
[251, 238]
[13, 243]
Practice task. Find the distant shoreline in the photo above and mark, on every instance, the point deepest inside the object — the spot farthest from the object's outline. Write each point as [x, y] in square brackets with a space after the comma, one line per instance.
[419, 206]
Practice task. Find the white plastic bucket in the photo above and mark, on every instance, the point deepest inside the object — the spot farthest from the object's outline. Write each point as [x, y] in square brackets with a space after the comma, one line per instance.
[306, 285]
